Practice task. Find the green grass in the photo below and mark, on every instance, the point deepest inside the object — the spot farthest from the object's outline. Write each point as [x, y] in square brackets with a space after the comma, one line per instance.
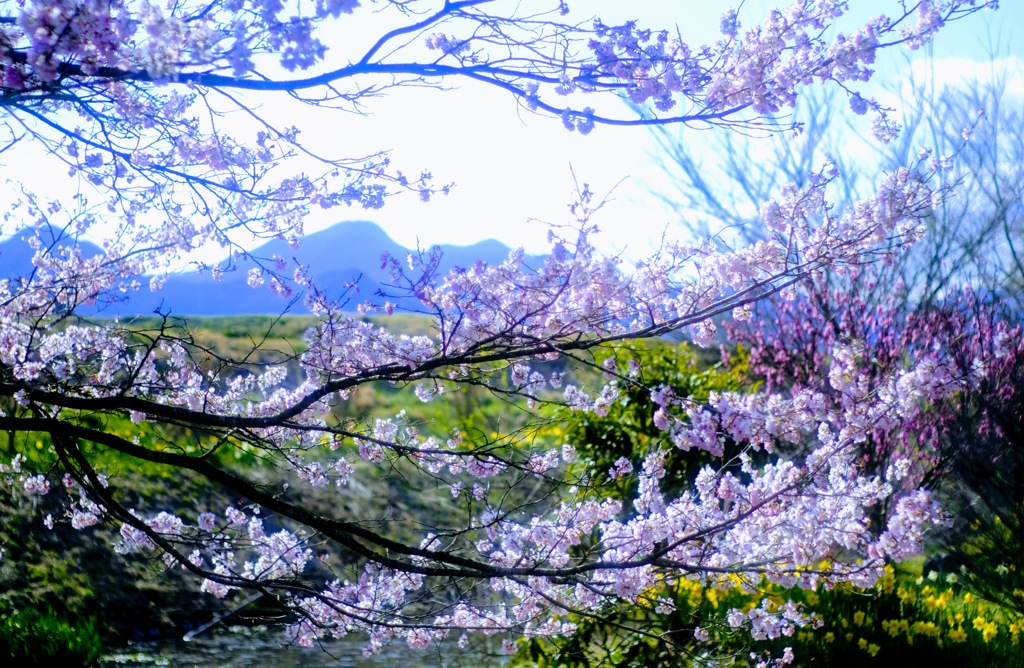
[41, 638]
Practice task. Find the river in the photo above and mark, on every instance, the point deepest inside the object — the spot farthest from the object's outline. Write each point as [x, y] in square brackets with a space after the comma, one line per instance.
[245, 647]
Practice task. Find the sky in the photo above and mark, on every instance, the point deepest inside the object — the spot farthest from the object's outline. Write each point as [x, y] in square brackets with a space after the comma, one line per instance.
[515, 172]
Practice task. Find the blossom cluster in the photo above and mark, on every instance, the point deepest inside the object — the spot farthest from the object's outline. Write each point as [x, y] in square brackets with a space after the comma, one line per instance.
[909, 358]
[763, 66]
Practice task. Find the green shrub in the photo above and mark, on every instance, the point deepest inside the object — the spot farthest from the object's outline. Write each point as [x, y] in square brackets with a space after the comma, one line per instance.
[41, 638]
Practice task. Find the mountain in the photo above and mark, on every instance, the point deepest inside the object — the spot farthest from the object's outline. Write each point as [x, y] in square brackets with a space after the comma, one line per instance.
[346, 252]
[16, 255]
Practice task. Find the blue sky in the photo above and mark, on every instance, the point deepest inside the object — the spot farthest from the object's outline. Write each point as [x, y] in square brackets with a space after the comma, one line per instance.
[515, 172]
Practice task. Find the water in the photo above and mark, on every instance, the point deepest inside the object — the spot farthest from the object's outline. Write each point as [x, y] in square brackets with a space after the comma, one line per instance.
[263, 648]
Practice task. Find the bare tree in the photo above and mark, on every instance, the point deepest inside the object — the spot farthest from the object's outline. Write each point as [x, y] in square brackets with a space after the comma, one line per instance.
[974, 237]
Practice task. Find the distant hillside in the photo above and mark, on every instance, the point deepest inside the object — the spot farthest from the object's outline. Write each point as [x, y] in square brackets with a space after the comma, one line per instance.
[16, 255]
[339, 255]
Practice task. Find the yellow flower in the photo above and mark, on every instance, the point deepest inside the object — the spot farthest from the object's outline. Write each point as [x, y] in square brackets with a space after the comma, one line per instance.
[968, 598]
[944, 598]
[858, 618]
[979, 623]
[989, 631]
[888, 581]
[830, 637]
[958, 634]
[862, 643]
[873, 649]
[906, 594]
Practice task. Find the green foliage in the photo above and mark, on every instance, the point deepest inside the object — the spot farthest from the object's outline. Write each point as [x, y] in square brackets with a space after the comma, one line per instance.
[76, 575]
[629, 431]
[43, 638]
[38, 570]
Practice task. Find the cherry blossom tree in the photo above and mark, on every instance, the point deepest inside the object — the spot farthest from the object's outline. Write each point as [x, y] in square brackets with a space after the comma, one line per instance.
[965, 446]
[137, 100]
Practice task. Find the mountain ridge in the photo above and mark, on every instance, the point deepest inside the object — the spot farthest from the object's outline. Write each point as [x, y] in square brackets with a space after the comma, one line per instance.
[337, 256]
